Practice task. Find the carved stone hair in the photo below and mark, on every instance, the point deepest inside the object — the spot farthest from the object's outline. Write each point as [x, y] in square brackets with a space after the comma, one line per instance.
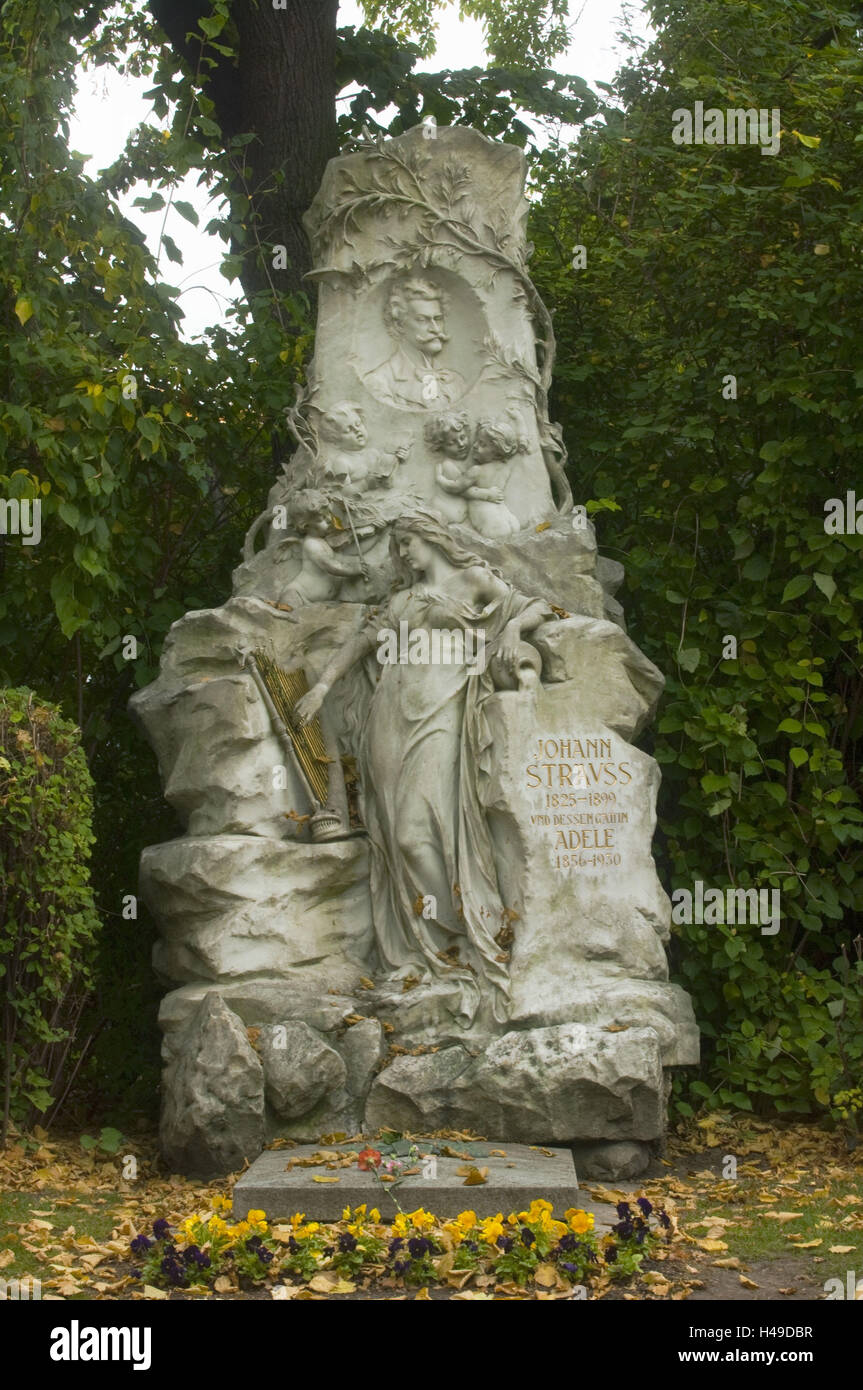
[505, 433]
[327, 428]
[440, 426]
[305, 505]
[401, 295]
[434, 532]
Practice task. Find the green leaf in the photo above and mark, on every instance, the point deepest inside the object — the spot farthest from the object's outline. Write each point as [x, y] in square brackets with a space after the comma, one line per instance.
[172, 250]
[152, 203]
[826, 584]
[770, 451]
[795, 587]
[186, 210]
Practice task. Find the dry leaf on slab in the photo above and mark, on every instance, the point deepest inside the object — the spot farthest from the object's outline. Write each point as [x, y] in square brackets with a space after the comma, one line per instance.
[747, 1283]
[842, 1249]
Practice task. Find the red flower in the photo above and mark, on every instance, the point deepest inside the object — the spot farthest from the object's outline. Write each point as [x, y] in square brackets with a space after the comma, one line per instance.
[369, 1158]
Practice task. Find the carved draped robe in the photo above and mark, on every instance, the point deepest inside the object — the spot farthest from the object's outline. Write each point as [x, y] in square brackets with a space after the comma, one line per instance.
[424, 759]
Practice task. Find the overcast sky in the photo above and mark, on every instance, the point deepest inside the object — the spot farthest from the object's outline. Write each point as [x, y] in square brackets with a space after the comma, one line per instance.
[110, 106]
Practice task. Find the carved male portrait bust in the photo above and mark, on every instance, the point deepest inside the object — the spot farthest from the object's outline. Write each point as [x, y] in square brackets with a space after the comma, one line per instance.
[412, 378]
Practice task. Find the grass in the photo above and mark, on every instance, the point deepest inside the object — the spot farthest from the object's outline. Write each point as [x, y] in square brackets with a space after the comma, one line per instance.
[757, 1235]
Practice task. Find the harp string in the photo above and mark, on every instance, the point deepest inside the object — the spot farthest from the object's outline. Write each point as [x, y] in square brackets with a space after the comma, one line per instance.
[285, 688]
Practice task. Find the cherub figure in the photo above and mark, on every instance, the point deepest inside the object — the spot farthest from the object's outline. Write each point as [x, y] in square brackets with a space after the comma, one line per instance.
[349, 459]
[322, 571]
[355, 474]
[496, 442]
[448, 435]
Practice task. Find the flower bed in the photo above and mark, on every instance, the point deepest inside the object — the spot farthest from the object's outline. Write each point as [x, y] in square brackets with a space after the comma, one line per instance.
[415, 1250]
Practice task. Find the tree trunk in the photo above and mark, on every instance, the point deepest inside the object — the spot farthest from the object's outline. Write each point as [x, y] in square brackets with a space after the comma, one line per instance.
[282, 89]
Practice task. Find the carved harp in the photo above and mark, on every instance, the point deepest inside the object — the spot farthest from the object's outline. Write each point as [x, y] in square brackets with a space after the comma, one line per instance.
[280, 690]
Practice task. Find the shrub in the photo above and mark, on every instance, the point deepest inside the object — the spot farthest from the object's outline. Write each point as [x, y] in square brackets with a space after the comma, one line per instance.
[48, 923]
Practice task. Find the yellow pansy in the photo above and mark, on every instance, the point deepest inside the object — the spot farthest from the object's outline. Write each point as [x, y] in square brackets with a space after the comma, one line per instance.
[492, 1228]
[466, 1220]
[537, 1207]
[221, 1204]
[421, 1219]
[374, 1216]
[217, 1226]
[257, 1218]
[297, 1219]
[579, 1221]
[401, 1225]
[242, 1228]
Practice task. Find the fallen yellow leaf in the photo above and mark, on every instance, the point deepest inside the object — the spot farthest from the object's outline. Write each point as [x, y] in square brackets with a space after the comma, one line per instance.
[329, 1283]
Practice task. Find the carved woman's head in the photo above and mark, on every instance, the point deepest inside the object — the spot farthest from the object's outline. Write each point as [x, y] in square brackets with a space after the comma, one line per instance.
[413, 538]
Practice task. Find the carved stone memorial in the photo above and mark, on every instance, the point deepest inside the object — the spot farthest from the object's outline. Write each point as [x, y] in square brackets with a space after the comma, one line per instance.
[416, 887]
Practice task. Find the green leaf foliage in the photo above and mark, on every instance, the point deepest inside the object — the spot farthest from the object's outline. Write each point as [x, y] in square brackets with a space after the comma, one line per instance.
[709, 380]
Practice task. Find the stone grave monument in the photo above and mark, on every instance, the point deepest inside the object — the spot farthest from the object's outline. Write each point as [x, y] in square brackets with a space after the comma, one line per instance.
[416, 888]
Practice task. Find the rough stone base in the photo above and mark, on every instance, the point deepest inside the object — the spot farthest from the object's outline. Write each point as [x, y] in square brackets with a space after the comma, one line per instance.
[609, 1162]
[544, 1085]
